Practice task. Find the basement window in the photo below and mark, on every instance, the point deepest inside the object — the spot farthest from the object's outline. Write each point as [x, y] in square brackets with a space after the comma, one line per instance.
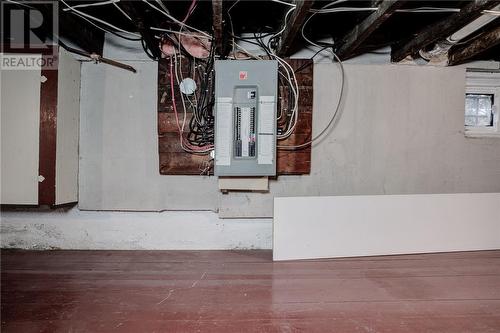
[479, 110]
[482, 99]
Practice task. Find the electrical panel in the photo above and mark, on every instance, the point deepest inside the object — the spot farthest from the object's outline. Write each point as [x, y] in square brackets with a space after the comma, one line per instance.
[245, 117]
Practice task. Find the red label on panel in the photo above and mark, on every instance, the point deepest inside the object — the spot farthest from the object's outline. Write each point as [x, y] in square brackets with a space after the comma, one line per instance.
[243, 75]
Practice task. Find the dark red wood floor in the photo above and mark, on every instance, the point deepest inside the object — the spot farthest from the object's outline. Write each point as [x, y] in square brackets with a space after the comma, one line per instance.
[244, 291]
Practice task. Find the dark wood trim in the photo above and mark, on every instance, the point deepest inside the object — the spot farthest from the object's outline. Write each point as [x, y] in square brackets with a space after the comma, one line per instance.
[218, 25]
[462, 53]
[48, 137]
[441, 29]
[294, 25]
[357, 36]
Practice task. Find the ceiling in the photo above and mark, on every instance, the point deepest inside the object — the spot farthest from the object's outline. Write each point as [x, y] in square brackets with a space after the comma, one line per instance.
[354, 30]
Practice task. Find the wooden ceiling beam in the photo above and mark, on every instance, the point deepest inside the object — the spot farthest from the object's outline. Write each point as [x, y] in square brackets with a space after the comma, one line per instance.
[352, 41]
[461, 53]
[218, 25]
[140, 20]
[80, 33]
[441, 29]
[294, 25]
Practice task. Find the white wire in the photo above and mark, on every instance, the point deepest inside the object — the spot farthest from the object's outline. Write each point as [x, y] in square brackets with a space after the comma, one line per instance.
[175, 20]
[92, 4]
[231, 24]
[181, 33]
[20, 4]
[185, 116]
[295, 92]
[408, 10]
[95, 25]
[285, 23]
[162, 5]
[492, 12]
[98, 20]
[342, 9]
[334, 115]
[195, 114]
[285, 3]
[122, 11]
[311, 16]
[428, 10]
[252, 56]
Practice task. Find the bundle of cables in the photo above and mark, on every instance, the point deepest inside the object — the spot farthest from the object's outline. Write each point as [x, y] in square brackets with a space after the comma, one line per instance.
[196, 135]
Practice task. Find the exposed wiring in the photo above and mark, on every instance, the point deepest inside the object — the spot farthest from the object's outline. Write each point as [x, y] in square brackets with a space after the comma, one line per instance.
[302, 30]
[334, 114]
[174, 19]
[73, 10]
[492, 12]
[190, 11]
[284, 24]
[285, 3]
[122, 11]
[91, 4]
[105, 29]
[20, 4]
[184, 144]
[181, 33]
[162, 5]
[326, 10]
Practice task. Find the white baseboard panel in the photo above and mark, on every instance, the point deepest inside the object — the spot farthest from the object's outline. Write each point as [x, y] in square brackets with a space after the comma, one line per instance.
[349, 226]
[93, 230]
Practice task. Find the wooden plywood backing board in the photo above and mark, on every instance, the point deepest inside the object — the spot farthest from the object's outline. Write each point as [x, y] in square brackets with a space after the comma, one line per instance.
[173, 160]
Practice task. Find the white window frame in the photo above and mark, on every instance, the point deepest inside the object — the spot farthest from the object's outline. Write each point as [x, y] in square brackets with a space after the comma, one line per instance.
[484, 83]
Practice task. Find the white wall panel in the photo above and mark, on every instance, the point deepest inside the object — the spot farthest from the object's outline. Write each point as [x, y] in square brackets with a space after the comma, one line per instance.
[68, 116]
[365, 225]
[20, 119]
[119, 162]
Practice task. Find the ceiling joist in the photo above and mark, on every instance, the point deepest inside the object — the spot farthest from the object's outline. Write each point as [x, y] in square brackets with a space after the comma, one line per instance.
[351, 42]
[442, 29]
[462, 53]
[144, 29]
[294, 25]
[217, 18]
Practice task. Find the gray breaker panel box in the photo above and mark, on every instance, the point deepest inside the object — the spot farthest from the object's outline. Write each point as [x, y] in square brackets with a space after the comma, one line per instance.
[245, 117]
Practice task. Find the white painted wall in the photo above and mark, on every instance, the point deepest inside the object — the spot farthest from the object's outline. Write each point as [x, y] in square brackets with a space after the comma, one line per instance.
[68, 117]
[400, 132]
[83, 230]
[20, 119]
[119, 163]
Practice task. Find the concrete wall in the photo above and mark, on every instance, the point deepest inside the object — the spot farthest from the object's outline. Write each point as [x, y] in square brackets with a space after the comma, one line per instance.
[75, 229]
[400, 132]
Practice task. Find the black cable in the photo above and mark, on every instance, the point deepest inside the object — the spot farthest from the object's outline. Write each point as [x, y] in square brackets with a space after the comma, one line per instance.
[147, 51]
[312, 58]
[202, 123]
